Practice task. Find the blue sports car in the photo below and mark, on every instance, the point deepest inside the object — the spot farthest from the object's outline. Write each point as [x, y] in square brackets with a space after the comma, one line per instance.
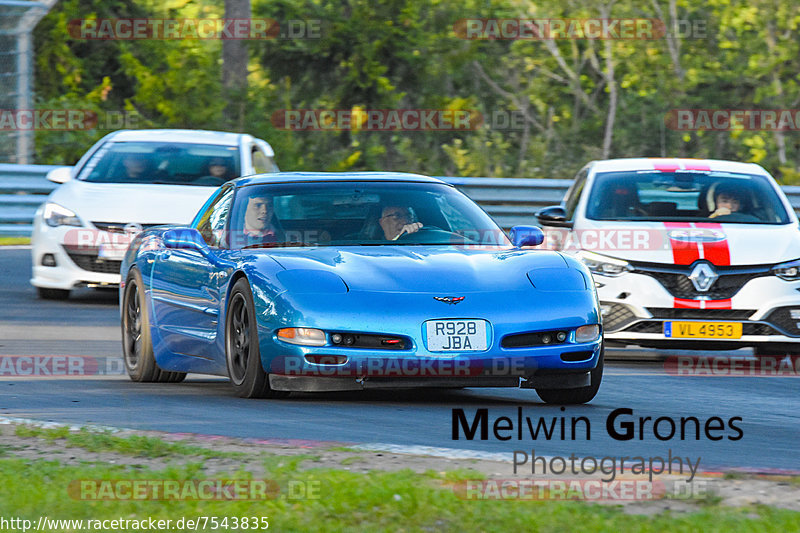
[343, 281]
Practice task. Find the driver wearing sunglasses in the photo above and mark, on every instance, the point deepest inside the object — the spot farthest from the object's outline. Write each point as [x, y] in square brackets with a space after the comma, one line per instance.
[396, 221]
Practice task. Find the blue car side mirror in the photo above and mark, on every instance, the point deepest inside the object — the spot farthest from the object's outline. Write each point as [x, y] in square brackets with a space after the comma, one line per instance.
[184, 239]
[526, 236]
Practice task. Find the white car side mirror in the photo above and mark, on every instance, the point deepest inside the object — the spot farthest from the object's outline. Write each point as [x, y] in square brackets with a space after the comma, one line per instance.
[60, 175]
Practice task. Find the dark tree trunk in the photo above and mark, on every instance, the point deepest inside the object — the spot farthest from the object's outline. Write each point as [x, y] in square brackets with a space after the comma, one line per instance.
[234, 68]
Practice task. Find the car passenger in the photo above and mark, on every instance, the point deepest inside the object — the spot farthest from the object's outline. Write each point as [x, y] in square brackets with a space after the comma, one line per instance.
[260, 224]
[217, 172]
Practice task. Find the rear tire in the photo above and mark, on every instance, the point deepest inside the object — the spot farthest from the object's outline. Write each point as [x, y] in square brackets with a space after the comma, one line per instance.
[579, 395]
[137, 346]
[52, 294]
[242, 352]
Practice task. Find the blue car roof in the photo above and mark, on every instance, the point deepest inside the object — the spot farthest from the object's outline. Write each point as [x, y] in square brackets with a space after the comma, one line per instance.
[294, 177]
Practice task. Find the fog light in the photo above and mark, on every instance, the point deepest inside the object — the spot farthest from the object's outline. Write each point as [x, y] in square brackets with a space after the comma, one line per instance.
[587, 333]
[795, 314]
[349, 340]
[546, 339]
[336, 338]
[561, 336]
[304, 336]
[48, 260]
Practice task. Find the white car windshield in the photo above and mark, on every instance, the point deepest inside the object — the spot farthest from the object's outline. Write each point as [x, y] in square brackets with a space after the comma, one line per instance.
[206, 165]
[685, 197]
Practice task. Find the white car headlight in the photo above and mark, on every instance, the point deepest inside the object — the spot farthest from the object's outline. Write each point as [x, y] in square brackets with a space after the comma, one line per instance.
[789, 271]
[56, 215]
[605, 266]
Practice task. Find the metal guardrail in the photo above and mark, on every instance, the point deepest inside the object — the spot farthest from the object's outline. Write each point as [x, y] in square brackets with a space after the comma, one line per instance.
[22, 189]
[512, 201]
[509, 201]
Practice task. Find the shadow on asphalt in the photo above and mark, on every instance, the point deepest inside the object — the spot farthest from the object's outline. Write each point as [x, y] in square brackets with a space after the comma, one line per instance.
[461, 397]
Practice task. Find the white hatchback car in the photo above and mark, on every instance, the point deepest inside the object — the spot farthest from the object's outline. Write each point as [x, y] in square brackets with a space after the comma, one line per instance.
[127, 181]
[685, 253]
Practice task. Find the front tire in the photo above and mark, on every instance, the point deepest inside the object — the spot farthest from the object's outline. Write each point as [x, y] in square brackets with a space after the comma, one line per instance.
[242, 352]
[772, 352]
[137, 346]
[579, 395]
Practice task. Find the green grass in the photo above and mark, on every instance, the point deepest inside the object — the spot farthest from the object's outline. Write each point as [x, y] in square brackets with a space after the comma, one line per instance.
[346, 501]
[133, 445]
[4, 241]
[343, 449]
[340, 500]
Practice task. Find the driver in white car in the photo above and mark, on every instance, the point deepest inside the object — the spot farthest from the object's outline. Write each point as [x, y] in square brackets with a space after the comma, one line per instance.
[135, 167]
[731, 204]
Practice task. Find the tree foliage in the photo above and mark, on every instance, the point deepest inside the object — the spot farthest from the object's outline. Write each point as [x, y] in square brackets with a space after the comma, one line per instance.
[579, 99]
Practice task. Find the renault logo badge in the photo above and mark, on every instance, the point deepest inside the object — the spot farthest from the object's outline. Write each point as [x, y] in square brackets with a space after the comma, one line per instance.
[703, 277]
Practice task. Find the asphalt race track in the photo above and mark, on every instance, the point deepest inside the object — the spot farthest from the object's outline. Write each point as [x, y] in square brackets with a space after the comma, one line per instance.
[88, 325]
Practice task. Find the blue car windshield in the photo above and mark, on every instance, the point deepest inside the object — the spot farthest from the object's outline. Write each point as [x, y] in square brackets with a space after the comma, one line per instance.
[206, 165]
[695, 196]
[339, 213]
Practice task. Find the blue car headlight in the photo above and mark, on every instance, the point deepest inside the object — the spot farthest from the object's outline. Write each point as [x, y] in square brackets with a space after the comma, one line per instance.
[790, 271]
[303, 336]
[587, 333]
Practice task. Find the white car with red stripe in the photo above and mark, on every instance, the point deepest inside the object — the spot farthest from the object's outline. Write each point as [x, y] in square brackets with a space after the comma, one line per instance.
[685, 253]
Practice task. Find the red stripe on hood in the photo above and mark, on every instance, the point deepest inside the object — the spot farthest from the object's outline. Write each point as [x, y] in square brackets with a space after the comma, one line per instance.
[683, 253]
[717, 252]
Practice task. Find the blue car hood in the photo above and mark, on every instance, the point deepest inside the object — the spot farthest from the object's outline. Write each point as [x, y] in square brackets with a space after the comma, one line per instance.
[423, 269]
